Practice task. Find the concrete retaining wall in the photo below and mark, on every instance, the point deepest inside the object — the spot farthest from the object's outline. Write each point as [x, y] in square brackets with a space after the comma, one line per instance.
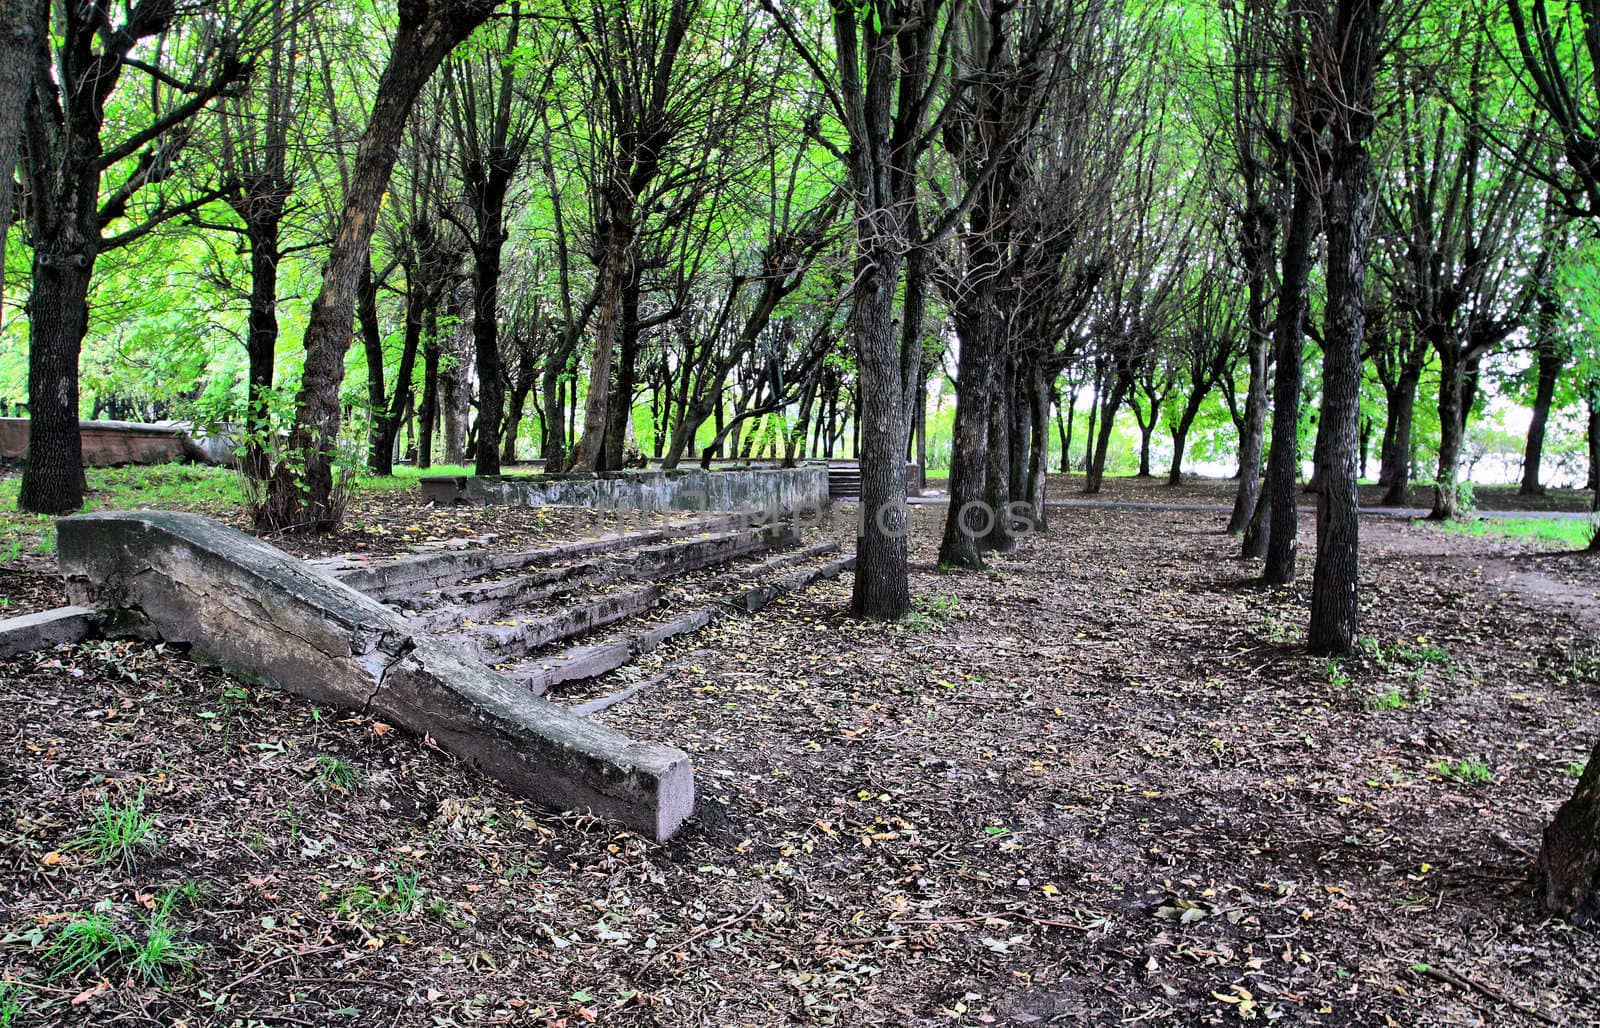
[106, 443]
[782, 490]
[271, 618]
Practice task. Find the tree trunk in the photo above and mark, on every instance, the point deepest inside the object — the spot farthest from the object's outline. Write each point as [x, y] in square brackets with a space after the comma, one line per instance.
[997, 476]
[1568, 869]
[1394, 466]
[428, 413]
[1283, 464]
[590, 454]
[881, 587]
[19, 27]
[1039, 444]
[304, 498]
[1446, 491]
[1335, 592]
[52, 480]
[1109, 405]
[1252, 434]
[1549, 365]
[261, 346]
[486, 255]
[619, 409]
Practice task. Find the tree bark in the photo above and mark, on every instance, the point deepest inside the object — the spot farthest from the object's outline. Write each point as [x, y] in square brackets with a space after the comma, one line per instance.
[1549, 362]
[53, 481]
[1568, 869]
[1446, 490]
[1335, 593]
[19, 32]
[1283, 463]
[1394, 464]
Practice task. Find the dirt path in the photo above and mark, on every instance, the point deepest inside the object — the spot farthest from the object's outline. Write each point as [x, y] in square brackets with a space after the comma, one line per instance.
[1565, 584]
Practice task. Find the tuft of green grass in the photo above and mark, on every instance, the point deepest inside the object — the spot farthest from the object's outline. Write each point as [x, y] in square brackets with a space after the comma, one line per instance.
[338, 775]
[1576, 768]
[1390, 700]
[10, 1004]
[84, 941]
[402, 896]
[93, 939]
[162, 951]
[119, 833]
[1569, 532]
[1467, 770]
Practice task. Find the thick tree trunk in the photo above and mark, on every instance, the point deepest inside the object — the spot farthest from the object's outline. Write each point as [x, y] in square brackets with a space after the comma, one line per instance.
[1335, 587]
[52, 479]
[619, 408]
[486, 256]
[997, 473]
[1283, 464]
[590, 454]
[965, 520]
[1446, 489]
[1569, 858]
[304, 497]
[881, 587]
[1394, 465]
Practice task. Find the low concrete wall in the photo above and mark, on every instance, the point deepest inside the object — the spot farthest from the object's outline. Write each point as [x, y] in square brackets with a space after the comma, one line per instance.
[106, 443]
[781, 490]
[269, 617]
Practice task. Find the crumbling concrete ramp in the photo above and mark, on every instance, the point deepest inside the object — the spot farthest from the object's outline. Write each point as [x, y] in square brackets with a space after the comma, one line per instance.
[270, 618]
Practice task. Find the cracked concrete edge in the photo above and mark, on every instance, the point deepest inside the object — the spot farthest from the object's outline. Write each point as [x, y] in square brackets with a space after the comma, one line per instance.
[63, 626]
[264, 614]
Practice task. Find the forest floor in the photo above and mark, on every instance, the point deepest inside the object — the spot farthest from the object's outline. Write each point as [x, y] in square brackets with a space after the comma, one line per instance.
[1098, 784]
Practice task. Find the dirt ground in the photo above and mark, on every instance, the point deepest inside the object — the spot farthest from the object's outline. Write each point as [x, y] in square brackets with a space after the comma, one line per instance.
[1096, 785]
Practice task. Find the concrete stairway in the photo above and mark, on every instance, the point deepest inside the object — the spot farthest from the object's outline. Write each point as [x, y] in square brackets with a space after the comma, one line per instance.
[573, 611]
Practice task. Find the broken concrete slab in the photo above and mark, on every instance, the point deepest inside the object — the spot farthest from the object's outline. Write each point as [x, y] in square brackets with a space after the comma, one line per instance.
[271, 618]
[63, 626]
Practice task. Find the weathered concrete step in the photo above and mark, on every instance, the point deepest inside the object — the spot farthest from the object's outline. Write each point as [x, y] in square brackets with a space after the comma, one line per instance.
[758, 596]
[505, 641]
[591, 660]
[729, 580]
[447, 609]
[271, 618]
[46, 630]
[415, 575]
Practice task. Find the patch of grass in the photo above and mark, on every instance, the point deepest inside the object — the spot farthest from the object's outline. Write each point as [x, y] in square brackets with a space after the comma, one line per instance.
[1567, 532]
[119, 833]
[338, 775]
[162, 951]
[93, 939]
[84, 941]
[1467, 770]
[1575, 768]
[1390, 700]
[10, 1004]
[932, 612]
[401, 896]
